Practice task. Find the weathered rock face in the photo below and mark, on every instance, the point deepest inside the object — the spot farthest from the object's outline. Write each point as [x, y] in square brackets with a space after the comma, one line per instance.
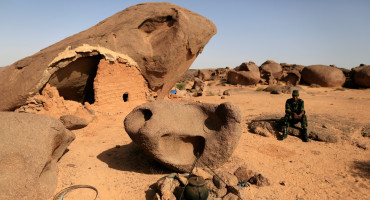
[243, 173]
[243, 77]
[174, 132]
[361, 75]
[245, 74]
[293, 77]
[198, 85]
[289, 67]
[259, 180]
[160, 39]
[189, 75]
[229, 179]
[248, 66]
[323, 75]
[207, 74]
[346, 72]
[271, 69]
[30, 148]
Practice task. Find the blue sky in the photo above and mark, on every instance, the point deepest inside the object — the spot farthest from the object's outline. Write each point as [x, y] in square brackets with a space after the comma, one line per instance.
[303, 32]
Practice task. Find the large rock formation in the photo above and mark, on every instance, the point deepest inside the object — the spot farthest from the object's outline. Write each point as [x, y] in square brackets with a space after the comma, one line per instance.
[207, 74]
[174, 132]
[271, 70]
[189, 75]
[245, 74]
[30, 148]
[292, 77]
[242, 77]
[323, 75]
[248, 66]
[198, 87]
[289, 67]
[361, 75]
[158, 40]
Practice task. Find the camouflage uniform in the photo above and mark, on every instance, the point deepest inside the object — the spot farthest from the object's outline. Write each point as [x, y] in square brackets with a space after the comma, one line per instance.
[296, 107]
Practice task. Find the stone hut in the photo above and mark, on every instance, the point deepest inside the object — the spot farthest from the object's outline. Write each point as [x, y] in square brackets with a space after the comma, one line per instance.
[136, 54]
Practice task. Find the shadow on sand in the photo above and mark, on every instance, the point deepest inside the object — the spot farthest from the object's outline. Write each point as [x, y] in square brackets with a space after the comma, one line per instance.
[361, 169]
[130, 157]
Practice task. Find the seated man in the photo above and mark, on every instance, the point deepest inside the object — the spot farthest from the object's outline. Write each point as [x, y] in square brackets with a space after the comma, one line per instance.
[294, 113]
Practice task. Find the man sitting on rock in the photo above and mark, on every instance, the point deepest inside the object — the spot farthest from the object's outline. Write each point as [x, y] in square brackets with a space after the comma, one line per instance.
[294, 113]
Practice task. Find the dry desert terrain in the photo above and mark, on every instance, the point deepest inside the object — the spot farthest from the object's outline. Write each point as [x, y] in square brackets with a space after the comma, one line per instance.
[104, 156]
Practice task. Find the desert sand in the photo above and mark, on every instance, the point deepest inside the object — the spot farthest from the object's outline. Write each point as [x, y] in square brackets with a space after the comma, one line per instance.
[104, 156]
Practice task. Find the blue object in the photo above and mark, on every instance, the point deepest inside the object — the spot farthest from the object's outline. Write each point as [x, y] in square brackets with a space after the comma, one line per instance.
[243, 184]
[173, 91]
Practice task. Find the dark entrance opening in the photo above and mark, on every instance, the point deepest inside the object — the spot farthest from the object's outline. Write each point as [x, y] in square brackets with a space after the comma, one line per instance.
[76, 80]
[125, 97]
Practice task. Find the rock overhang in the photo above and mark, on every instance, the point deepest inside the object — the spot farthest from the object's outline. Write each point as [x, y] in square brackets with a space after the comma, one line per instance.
[162, 54]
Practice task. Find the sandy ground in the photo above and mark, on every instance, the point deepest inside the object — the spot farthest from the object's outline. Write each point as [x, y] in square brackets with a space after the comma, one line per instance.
[104, 156]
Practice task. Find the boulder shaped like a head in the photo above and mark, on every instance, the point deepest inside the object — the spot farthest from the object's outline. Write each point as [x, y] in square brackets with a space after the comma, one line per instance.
[176, 132]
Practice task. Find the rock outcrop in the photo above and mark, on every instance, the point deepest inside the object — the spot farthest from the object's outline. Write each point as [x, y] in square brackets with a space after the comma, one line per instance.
[323, 75]
[248, 66]
[293, 77]
[30, 148]
[158, 40]
[198, 87]
[361, 75]
[243, 173]
[346, 72]
[271, 70]
[174, 132]
[245, 74]
[189, 75]
[242, 77]
[207, 74]
[289, 67]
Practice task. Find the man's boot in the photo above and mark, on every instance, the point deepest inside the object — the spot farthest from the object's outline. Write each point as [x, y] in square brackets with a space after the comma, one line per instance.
[305, 136]
[284, 133]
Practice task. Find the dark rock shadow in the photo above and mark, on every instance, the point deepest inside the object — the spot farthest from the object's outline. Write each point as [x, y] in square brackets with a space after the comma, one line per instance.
[178, 192]
[131, 157]
[65, 151]
[150, 193]
[361, 169]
